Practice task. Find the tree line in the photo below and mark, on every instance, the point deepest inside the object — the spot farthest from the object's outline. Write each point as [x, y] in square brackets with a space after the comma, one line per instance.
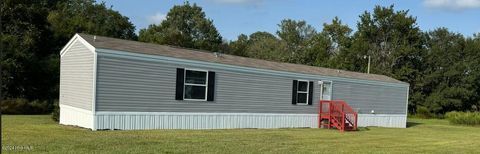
[441, 66]
[32, 35]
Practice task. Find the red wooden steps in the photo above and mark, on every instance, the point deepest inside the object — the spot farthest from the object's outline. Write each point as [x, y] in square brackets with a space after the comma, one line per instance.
[337, 114]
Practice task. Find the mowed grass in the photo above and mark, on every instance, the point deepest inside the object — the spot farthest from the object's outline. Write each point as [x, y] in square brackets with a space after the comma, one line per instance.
[422, 136]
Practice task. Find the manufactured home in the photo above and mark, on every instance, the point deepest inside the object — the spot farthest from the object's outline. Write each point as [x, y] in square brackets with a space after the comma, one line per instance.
[108, 83]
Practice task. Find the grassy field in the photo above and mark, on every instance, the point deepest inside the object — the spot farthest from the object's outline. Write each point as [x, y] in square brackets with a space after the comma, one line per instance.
[422, 136]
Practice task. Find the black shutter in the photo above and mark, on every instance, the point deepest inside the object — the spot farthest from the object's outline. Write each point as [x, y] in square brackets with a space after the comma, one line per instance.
[179, 88]
[211, 86]
[310, 93]
[294, 92]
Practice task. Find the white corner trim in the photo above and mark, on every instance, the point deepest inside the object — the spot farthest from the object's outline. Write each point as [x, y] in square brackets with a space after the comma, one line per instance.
[67, 46]
[76, 37]
[94, 88]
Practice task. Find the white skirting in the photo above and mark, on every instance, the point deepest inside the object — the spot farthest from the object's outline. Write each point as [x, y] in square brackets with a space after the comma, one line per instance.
[382, 120]
[181, 120]
[76, 116]
[178, 120]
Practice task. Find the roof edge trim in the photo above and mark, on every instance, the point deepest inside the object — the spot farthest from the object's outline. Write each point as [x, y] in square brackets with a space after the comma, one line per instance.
[76, 37]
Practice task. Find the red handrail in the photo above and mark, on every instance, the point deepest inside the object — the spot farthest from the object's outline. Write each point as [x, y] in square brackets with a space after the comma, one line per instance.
[338, 113]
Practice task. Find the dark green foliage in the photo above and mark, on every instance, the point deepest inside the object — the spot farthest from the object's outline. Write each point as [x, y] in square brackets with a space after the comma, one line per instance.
[423, 112]
[260, 45]
[24, 106]
[448, 78]
[339, 36]
[24, 51]
[317, 51]
[239, 46]
[85, 16]
[295, 34]
[464, 118]
[186, 26]
[393, 40]
[263, 45]
[32, 35]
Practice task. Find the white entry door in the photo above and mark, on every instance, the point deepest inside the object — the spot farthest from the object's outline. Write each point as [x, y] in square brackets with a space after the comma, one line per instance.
[326, 90]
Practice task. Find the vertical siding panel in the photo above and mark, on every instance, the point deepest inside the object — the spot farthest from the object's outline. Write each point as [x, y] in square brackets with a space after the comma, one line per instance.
[229, 120]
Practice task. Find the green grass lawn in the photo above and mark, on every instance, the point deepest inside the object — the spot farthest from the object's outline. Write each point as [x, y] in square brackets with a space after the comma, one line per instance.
[422, 136]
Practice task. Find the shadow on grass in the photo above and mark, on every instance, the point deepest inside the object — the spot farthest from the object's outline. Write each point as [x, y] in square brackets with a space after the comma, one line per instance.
[413, 124]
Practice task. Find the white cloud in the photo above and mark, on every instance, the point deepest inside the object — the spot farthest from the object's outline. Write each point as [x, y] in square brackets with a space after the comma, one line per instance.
[456, 5]
[242, 2]
[157, 18]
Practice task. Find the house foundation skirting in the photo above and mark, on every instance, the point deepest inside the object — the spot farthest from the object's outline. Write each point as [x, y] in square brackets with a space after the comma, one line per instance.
[185, 120]
[75, 116]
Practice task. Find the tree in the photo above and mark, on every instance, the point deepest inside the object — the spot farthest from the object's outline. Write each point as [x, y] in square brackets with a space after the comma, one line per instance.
[386, 35]
[185, 26]
[339, 36]
[263, 45]
[295, 34]
[239, 46]
[85, 16]
[317, 51]
[33, 32]
[448, 77]
[25, 50]
[260, 45]
[472, 71]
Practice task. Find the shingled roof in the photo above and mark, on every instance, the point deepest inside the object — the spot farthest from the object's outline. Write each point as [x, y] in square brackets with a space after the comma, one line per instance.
[193, 54]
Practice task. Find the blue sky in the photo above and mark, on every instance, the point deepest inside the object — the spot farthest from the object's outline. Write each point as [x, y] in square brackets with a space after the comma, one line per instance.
[234, 17]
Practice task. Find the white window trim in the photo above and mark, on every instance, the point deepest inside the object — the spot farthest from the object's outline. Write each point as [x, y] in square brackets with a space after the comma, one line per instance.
[303, 92]
[192, 84]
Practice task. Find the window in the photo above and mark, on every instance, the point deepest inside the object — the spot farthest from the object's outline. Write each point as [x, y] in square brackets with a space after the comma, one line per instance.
[302, 92]
[195, 85]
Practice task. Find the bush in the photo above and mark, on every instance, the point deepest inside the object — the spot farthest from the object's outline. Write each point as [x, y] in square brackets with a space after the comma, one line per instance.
[23, 106]
[464, 118]
[56, 111]
[423, 112]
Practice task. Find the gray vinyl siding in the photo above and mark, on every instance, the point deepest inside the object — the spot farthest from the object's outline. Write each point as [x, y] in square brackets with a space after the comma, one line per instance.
[76, 77]
[145, 86]
[133, 85]
[366, 97]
